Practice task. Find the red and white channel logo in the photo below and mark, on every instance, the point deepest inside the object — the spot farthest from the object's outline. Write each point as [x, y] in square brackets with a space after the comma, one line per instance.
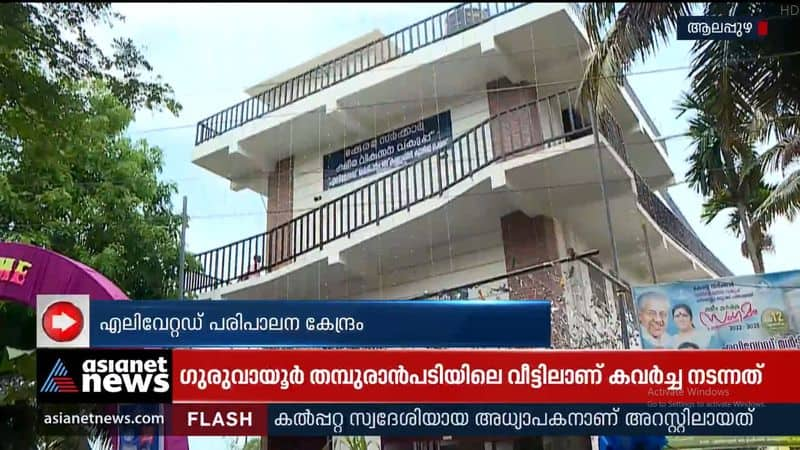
[63, 321]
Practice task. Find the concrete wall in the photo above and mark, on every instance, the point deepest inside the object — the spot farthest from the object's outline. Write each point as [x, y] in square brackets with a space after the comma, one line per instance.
[591, 305]
[519, 128]
[354, 62]
[454, 264]
[528, 125]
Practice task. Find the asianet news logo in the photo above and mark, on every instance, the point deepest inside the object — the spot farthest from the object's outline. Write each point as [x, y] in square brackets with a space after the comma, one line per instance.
[101, 376]
[125, 375]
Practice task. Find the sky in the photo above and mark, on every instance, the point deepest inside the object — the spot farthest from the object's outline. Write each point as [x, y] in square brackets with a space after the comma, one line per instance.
[211, 52]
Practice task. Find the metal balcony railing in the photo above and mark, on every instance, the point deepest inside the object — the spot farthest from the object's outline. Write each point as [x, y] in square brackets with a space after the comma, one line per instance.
[662, 214]
[542, 123]
[673, 226]
[396, 45]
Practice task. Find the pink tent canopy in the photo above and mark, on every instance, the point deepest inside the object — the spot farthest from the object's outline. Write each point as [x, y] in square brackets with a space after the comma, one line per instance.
[27, 271]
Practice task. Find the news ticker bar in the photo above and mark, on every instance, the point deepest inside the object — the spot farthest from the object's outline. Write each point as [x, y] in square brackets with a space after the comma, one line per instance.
[405, 420]
[416, 376]
[278, 323]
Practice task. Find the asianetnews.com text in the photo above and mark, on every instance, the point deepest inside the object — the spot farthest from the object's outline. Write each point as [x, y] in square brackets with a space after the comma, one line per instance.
[87, 418]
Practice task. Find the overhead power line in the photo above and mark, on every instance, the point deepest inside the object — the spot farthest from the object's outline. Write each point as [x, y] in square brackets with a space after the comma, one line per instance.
[288, 113]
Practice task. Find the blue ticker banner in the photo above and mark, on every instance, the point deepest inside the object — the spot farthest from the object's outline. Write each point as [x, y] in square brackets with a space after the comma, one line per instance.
[530, 420]
[779, 421]
[320, 323]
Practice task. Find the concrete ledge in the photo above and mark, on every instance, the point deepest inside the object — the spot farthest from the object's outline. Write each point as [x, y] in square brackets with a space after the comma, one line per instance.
[499, 179]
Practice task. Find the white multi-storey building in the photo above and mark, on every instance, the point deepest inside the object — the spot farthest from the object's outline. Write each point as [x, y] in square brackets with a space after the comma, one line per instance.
[452, 151]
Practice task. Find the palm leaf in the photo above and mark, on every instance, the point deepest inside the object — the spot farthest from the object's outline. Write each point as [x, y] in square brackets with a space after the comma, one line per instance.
[726, 72]
[784, 200]
[708, 173]
[783, 154]
[719, 202]
[596, 17]
[752, 77]
[638, 30]
[358, 443]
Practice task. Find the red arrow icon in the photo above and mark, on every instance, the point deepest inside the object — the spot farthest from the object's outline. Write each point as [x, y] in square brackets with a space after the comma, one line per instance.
[62, 321]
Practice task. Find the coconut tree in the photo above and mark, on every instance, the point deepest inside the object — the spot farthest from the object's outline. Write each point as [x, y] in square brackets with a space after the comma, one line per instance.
[730, 181]
[765, 71]
[750, 87]
[757, 83]
[785, 199]
[620, 35]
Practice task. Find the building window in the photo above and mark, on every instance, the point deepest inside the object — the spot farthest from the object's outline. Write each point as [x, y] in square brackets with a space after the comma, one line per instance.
[571, 125]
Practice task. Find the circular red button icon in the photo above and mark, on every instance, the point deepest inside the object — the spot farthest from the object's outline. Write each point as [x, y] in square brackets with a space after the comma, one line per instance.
[62, 321]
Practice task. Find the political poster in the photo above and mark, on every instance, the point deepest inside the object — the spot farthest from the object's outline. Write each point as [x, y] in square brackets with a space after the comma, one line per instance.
[759, 312]
[388, 151]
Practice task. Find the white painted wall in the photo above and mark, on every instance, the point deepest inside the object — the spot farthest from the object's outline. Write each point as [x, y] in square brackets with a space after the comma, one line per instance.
[337, 69]
[550, 119]
[483, 256]
[465, 265]
[316, 61]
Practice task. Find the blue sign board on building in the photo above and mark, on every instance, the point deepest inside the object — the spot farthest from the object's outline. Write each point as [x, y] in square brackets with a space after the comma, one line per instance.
[390, 150]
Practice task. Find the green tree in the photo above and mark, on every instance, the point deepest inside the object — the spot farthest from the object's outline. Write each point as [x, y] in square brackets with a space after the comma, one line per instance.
[70, 180]
[43, 44]
[247, 444]
[94, 195]
[729, 181]
[765, 71]
[785, 199]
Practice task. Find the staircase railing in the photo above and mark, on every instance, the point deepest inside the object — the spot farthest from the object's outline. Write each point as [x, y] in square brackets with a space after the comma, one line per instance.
[541, 123]
[544, 122]
[382, 51]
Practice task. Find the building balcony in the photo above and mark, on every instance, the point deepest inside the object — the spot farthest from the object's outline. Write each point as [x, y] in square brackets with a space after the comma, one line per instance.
[538, 157]
[377, 82]
[366, 57]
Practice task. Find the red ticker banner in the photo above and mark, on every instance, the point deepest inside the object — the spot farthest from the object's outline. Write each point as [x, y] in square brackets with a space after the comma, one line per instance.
[483, 376]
